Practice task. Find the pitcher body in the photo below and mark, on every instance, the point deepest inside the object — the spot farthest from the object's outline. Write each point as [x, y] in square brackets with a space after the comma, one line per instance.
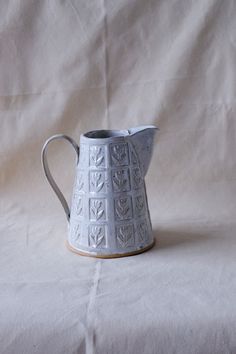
[109, 214]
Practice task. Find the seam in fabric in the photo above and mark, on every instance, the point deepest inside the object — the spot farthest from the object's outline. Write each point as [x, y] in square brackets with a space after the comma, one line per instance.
[106, 65]
[90, 335]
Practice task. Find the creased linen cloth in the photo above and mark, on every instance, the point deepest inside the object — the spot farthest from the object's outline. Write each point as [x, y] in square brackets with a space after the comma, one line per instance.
[73, 66]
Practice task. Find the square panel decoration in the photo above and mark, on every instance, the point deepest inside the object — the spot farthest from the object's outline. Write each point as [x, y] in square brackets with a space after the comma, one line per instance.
[123, 208]
[119, 154]
[97, 209]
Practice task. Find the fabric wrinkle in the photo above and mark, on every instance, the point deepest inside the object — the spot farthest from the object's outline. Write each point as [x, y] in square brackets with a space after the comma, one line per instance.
[90, 318]
[106, 64]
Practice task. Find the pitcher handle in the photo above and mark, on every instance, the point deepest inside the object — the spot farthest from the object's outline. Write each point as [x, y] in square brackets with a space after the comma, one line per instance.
[48, 173]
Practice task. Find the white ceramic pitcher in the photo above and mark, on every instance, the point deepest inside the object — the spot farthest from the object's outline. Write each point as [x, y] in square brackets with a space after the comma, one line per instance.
[109, 215]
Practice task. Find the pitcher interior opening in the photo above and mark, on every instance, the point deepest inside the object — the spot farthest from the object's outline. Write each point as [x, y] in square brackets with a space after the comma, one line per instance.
[102, 134]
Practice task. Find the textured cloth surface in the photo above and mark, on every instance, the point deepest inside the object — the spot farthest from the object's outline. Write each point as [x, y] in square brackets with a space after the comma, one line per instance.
[73, 66]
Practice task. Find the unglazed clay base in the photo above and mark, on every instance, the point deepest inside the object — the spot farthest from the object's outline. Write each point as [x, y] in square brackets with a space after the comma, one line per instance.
[115, 255]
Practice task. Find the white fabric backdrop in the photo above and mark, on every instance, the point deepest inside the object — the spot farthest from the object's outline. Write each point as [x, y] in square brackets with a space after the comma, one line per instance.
[72, 66]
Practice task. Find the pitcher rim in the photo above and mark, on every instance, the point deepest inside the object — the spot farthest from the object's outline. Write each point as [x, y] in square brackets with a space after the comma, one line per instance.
[104, 134]
[108, 134]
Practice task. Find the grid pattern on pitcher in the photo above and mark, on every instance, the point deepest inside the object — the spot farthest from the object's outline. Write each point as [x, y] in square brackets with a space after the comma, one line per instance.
[115, 170]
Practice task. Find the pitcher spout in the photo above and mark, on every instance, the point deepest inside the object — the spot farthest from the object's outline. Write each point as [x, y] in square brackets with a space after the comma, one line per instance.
[142, 138]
